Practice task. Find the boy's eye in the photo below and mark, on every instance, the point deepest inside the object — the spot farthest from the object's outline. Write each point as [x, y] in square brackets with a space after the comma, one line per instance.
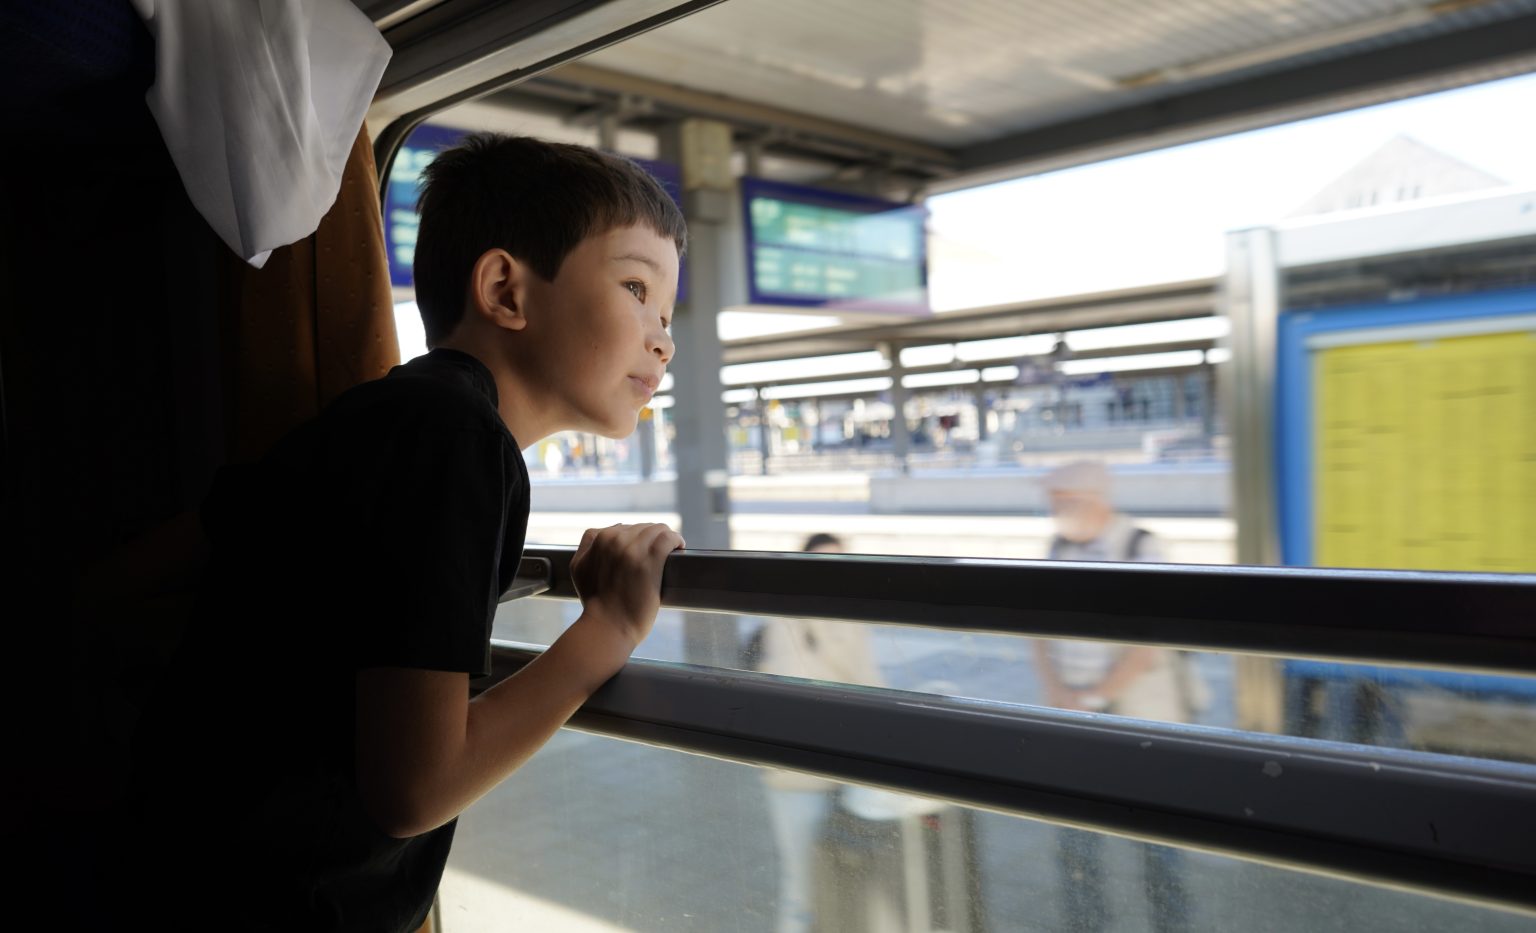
[637, 289]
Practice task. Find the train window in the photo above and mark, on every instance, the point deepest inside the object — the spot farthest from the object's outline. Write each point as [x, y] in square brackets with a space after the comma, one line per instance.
[1438, 711]
[1387, 383]
[1385, 379]
[599, 835]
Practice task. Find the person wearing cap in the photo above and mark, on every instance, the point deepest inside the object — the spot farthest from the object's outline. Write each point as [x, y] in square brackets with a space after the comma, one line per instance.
[1126, 680]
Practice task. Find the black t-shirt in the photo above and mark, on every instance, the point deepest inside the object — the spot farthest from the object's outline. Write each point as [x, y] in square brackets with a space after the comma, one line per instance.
[382, 533]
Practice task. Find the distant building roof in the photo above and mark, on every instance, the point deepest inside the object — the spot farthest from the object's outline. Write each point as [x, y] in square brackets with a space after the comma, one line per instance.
[1403, 169]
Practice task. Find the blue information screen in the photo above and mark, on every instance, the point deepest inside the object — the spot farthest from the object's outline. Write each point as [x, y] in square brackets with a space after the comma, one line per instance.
[811, 248]
[421, 147]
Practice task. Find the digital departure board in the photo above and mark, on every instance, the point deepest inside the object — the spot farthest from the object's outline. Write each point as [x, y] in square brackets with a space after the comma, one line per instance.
[812, 248]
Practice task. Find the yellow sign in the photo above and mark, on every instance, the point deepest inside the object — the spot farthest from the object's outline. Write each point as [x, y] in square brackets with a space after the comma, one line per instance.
[1425, 454]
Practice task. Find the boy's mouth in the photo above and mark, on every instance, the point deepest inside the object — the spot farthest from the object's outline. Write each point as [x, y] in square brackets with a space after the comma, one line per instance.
[646, 384]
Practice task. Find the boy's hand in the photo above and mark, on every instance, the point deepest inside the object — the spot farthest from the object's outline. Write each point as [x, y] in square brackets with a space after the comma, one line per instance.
[617, 574]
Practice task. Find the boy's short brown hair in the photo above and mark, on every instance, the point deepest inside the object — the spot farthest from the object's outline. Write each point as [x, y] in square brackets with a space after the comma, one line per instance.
[537, 200]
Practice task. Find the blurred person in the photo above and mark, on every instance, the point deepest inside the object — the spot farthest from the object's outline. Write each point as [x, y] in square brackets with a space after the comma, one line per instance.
[1125, 680]
[553, 458]
[799, 804]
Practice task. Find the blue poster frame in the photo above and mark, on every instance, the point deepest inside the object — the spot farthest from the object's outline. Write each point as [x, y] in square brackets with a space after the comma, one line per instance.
[1294, 455]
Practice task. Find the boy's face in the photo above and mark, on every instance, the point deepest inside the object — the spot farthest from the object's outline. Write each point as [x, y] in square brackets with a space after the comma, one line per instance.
[596, 344]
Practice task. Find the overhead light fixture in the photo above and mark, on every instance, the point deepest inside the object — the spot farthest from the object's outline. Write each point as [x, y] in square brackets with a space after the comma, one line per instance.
[1135, 335]
[1176, 359]
[840, 387]
[1004, 348]
[937, 354]
[805, 367]
[964, 377]
[1298, 45]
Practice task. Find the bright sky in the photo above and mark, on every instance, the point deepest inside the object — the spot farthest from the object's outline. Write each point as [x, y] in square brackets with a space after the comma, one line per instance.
[1161, 216]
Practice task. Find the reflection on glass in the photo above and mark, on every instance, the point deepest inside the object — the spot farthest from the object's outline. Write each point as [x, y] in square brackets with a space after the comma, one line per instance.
[1436, 711]
[600, 835]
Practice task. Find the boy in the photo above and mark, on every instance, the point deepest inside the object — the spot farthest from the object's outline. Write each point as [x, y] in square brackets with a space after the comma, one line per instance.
[315, 740]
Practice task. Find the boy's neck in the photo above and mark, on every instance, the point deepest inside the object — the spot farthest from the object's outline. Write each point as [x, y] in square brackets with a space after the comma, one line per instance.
[508, 390]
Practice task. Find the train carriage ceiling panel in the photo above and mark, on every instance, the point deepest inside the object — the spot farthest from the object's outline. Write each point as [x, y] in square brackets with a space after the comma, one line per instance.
[963, 91]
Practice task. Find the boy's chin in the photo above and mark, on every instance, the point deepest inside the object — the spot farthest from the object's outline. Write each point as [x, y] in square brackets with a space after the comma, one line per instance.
[618, 431]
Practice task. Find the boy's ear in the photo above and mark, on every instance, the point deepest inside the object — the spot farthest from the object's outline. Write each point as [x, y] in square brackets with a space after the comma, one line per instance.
[498, 287]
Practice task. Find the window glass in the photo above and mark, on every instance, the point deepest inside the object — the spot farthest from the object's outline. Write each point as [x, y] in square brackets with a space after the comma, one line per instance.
[596, 835]
[1395, 382]
[1417, 708]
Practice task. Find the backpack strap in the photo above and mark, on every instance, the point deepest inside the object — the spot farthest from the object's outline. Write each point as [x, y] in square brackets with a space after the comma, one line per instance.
[1133, 544]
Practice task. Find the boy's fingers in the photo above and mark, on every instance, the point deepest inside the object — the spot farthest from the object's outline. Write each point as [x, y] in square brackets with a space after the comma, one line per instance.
[666, 541]
[588, 537]
[643, 547]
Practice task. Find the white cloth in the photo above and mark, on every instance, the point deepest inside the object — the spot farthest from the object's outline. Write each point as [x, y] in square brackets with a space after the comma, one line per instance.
[260, 102]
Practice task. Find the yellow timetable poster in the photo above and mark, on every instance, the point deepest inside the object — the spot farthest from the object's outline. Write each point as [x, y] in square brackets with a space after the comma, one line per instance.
[1425, 454]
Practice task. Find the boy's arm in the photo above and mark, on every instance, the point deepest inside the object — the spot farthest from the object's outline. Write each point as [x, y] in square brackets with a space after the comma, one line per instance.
[165, 559]
[425, 751]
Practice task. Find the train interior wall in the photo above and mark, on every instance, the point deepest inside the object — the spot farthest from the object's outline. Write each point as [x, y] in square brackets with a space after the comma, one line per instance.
[111, 363]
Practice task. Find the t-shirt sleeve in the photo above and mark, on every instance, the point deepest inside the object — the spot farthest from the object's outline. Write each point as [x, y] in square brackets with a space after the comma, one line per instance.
[228, 503]
[432, 548]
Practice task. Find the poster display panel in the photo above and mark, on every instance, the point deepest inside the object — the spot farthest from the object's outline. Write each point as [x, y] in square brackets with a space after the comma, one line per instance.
[1407, 440]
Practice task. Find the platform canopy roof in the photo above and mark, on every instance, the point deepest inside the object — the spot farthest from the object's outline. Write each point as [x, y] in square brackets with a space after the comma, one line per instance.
[948, 93]
[913, 97]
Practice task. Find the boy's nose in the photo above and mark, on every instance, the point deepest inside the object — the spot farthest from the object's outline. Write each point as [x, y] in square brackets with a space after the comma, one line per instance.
[662, 346]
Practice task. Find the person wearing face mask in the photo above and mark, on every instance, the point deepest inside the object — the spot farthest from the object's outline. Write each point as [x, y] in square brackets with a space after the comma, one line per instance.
[1125, 680]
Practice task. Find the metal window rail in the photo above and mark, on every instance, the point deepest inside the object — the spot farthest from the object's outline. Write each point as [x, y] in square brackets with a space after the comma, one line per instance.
[1453, 827]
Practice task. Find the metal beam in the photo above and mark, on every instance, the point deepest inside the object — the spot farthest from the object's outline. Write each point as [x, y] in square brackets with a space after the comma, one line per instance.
[461, 50]
[1251, 301]
[1368, 77]
[1166, 302]
[747, 115]
[1445, 621]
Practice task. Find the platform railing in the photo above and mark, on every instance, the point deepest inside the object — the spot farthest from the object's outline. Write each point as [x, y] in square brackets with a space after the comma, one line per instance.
[1454, 827]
